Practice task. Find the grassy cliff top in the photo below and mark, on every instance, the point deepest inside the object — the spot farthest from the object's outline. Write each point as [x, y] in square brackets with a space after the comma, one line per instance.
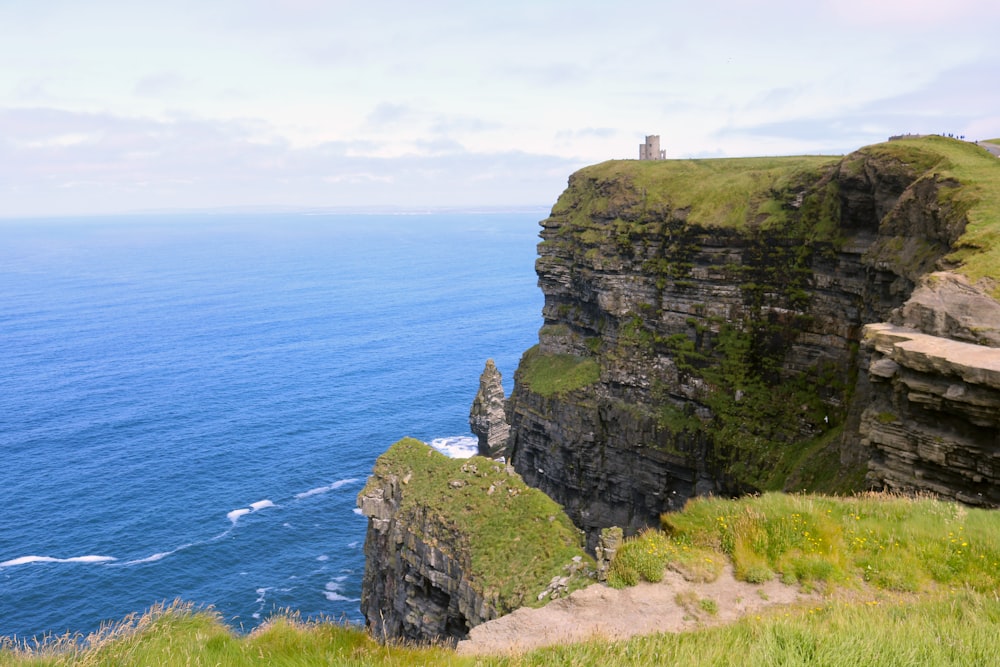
[738, 193]
[719, 192]
[518, 538]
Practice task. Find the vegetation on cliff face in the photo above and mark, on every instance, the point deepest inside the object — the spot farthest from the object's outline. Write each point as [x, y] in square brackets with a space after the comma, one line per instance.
[977, 251]
[724, 299]
[797, 197]
[515, 539]
[554, 374]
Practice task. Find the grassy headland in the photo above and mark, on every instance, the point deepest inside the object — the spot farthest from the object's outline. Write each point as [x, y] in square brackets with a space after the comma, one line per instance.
[717, 192]
[516, 537]
[761, 193]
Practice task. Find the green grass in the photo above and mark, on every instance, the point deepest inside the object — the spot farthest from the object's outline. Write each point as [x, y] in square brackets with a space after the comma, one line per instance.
[645, 556]
[978, 249]
[514, 538]
[889, 542]
[556, 374]
[718, 192]
[912, 582]
[957, 629]
[976, 254]
[757, 193]
[178, 634]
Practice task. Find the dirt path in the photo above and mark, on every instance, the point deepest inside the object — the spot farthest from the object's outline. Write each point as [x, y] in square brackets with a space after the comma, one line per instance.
[601, 612]
[993, 148]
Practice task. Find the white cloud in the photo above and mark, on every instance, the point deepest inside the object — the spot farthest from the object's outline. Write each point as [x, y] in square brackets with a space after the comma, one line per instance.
[242, 101]
[93, 163]
[160, 83]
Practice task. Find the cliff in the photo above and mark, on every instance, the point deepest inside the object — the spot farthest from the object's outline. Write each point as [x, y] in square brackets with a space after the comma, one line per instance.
[704, 331]
[452, 543]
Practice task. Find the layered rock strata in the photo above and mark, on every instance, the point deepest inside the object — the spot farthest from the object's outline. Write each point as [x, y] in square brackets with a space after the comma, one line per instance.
[725, 347]
[452, 543]
[413, 587]
[486, 417]
[935, 420]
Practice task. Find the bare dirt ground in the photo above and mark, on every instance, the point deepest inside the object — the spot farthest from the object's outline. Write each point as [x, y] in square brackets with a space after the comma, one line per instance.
[601, 612]
[993, 148]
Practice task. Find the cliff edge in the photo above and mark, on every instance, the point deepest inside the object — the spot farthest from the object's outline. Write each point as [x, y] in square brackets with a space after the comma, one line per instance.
[704, 330]
[452, 543]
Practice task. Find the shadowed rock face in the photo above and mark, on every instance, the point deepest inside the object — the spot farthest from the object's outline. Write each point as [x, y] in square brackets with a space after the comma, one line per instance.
[486, 418]
[731, 358]
[452, 543]
[416, 584]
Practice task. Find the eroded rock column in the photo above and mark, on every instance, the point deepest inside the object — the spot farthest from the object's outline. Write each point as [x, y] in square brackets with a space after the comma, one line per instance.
[486, 418]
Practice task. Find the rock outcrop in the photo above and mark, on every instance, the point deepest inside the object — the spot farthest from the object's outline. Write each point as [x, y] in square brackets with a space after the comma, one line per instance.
[706, 318]
[452, 543]
[486, 417]
[934, 421]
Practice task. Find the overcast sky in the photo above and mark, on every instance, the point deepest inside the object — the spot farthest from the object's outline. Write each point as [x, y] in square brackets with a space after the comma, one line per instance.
[122, 105]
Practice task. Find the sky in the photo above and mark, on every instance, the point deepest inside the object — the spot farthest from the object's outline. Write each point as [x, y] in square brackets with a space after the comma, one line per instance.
[111, 106]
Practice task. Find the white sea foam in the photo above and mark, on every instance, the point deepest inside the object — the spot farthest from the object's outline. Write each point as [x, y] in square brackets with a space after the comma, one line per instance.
[357, 510]
[333, 594]
[456, 446]
[25, 560]
[236, 514]
[326, 489]
[154, 557]
[322, 557]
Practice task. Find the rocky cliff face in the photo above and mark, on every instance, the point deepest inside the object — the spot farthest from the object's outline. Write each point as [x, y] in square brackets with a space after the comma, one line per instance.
[414, 588]
[713, 338]
[934, 421]
[486, 417]
[453, 543]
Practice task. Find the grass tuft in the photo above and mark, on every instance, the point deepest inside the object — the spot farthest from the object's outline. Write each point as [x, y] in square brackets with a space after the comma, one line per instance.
[891, 542]
[556, 374]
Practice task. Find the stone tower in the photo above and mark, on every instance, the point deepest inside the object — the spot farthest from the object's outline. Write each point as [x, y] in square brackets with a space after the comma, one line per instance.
[651, 149]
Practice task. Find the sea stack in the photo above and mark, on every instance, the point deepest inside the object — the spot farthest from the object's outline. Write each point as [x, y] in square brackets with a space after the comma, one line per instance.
[486, 418]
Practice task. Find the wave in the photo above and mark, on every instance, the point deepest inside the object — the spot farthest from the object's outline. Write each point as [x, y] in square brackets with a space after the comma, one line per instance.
[235, 515]
[25, 560]
[153, 558]
[456, 446]
[325, 489]
[333, 594]
[159, 556]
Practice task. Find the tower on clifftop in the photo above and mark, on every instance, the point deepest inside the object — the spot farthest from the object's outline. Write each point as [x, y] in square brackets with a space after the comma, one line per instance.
[651, 149]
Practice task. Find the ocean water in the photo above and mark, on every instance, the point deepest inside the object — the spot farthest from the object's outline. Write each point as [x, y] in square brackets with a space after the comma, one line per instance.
[189, 404]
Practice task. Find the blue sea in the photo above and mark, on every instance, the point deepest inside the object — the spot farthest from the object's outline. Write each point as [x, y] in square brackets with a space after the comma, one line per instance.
[190, 404]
